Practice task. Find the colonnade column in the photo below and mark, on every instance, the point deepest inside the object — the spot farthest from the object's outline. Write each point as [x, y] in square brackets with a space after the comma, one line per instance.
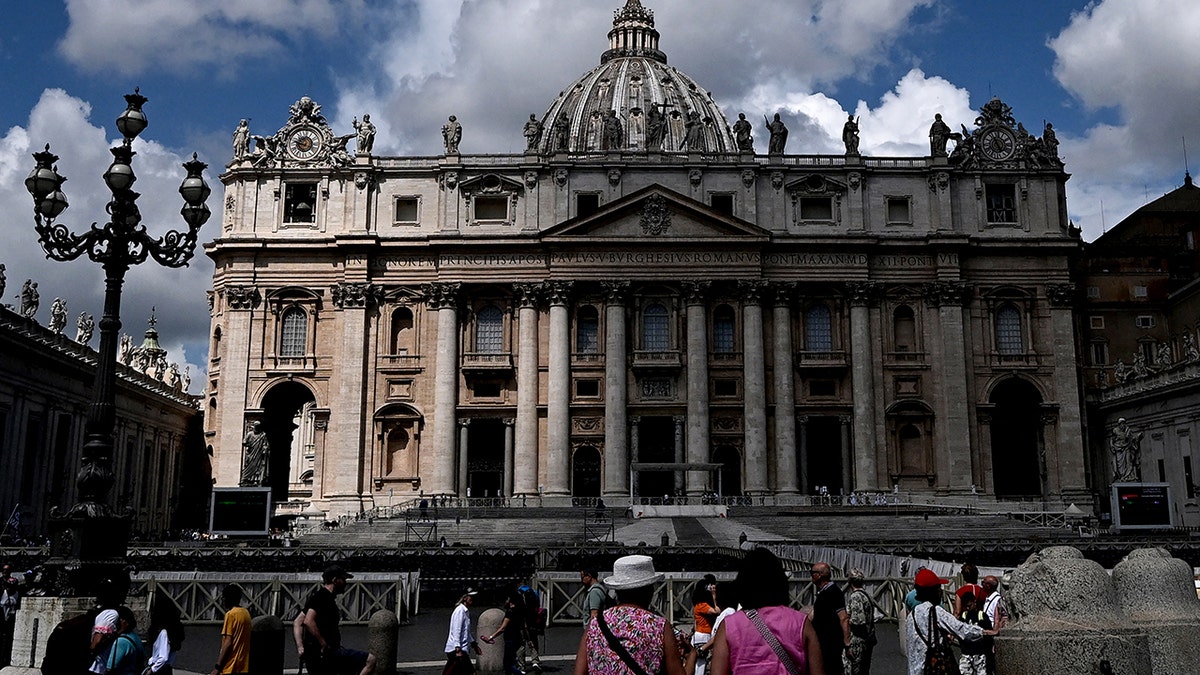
[1067, 473]
[507, 488]
[678, 419]
[862, 349]
[558, 410]
[438, 475]
[755, 388]
[463, 447]
[525, 457]
[616, 395]
[785, 393]
[953, 463]
[697, 383]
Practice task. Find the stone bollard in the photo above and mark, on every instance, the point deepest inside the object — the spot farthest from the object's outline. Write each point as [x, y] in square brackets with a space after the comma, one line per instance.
[491, 660]
[1158, 594]
[383, 633]
[1065, 619]
[266, 645]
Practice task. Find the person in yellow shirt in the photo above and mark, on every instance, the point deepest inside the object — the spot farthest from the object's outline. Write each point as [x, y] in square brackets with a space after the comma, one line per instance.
[234, 658]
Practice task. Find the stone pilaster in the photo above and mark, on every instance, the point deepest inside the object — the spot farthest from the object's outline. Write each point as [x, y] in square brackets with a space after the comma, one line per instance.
[754, 386]
[349, 433]
[1066, 475]
[678, 420]
[438, 470]
[464, 441]
[863, 295]
[558, 410]
[525, 461]
[697, 382]
[785, 393]
[616, 399]
[240, 303]
[953, 462]
[635, 429]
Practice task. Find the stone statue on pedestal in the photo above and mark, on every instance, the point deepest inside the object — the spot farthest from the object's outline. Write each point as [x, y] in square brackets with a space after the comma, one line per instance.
[939, 134]
[452, 135]
[29, 299]
[741, 133]
[850, 135]
[779, 135]
[254, 464]
[533, 134]
[58, 315]
[85, 326]
[241, 141]
[1125, 443]
[364, 135]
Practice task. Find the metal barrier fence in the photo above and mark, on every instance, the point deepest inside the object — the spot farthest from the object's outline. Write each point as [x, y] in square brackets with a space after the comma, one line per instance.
[198, 594]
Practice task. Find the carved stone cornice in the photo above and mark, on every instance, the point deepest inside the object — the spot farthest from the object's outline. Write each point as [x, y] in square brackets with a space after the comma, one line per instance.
[863, 293]
[242, 297]
[955, 293]
[615, 292]
[442, 295]
[357, 295]
[695, 292]
[558, 293]
[527, 295]
[753, 290]
[1061, 295]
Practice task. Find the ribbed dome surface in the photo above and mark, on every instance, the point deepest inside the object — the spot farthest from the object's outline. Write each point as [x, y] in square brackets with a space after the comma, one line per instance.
[654, 104]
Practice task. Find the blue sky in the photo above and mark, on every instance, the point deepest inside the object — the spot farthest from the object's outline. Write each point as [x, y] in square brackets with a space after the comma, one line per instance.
[1116, 77]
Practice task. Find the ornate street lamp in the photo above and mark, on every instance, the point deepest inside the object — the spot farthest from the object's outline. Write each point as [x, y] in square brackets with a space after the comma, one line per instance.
[88, 543]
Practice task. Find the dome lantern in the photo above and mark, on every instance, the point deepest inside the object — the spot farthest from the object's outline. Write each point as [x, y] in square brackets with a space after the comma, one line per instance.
[633, 34]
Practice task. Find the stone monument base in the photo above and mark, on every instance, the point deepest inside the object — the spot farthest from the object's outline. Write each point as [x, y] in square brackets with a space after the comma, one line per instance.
[40, 614]
[680, 511]
[1074, 652]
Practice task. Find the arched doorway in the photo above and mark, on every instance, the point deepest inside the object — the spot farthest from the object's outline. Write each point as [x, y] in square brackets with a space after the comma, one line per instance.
[1016, 439]
[585, 472]
[731, 470]
[281, 407]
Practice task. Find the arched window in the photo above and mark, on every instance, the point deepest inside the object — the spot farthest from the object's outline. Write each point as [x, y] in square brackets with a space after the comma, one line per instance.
[587, 330]
[216, 344]
[724, 339]
[904, 329]
[402, 331]
[656, 332]
[489, 330]
[1008, 330]
[294, 333]
[818, 329]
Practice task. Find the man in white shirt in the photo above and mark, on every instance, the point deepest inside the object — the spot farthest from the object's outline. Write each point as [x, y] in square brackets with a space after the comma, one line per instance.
[460, 640]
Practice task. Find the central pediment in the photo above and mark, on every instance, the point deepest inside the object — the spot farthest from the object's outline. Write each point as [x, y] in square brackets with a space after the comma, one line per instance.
[654, 214]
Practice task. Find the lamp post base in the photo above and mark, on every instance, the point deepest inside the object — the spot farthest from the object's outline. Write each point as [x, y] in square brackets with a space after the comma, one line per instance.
[87, 555]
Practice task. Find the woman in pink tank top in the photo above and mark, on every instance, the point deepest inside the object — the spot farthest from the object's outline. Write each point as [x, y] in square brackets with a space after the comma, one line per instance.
[739, 646]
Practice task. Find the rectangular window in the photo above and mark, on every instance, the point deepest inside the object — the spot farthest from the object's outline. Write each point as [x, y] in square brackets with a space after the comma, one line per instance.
[725, 388]
[1144, 321]
[1099, 354]
[1096, 322]
[486, 390]
[1093, 292]
[899, 211]
[1140, 291]
[300, 203]
[816, 208]
[1187, 476]
[491, 208]
[822, 388]
[1001, 203]
[407, 210]
[1147, 350]
[587, 388]
[722, 203]
[586, 204]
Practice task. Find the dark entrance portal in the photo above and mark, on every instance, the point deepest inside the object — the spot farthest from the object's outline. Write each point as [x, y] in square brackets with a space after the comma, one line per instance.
[280, 407]
[656, 443]
[1016, 439]
[731, 470]
[485, 458]
[824, 436]
[585, 472]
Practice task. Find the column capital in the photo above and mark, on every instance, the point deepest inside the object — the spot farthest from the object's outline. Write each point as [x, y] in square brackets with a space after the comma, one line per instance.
[948, 293]
[464, 422]
[635, 420]
[845, 419]
[242, 297]
[863, 293]
[355, 295]
[615, 292]
[508, 421]
[695, 292]
[678, 419]
[442, 295]
[783, 292]
[1061, 295]
[802, 420]
[527, 295]
[559, 292]
[753, 290]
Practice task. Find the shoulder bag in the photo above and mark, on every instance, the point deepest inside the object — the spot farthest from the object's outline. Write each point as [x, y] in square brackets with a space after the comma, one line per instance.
[773, 642]
[939, 657]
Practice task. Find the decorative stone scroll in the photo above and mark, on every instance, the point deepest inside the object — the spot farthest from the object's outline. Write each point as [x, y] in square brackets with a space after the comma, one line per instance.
[656, 216]
[242, 297]
[1061, 295]
[355, 295]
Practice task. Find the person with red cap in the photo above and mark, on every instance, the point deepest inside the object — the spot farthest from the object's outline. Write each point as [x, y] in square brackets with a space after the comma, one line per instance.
[929, 624]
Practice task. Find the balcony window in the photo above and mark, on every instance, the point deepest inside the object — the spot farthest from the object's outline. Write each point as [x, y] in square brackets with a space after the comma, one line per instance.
[818, 329]
[489, 330]
[656, 330]
[587, 331]
[294, 327]
[1008, 331]
[724, 339]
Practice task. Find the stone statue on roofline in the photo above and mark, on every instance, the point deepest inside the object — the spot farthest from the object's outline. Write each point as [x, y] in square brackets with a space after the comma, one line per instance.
[30, 299]
[364, 135]
[939, 134]
[850, 135]
[533, 133]
[241, 141]
[779, 135]
[742, 134]
[84, 327]
[58, 315]
[452, 135]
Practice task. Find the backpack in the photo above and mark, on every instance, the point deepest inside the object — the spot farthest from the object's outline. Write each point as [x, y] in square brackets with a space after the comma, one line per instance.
[535, 614]
[939, 657]
[68, 648]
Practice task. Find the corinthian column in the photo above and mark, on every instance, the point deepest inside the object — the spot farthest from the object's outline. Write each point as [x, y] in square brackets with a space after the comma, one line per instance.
[525, 458]
[754, 380]
[862, 295]
[785, 393]
[558, 410]
[616, 396]
[438, 469]
[697, 383]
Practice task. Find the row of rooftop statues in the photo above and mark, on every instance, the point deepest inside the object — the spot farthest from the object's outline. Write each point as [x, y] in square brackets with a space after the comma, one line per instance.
[307, 137]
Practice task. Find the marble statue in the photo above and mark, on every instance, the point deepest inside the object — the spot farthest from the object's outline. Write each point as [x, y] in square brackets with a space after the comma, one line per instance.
[850, 135]
[58, 315]
[1140, 367]
[29, 299]
[173, 378]
[614, 131]
[779, 134]
[257, 450]
[1190, 352]
[125, 352]
[939, 134]
[562, 132]
[1050, 141]
[84, 327]
[693, 136]
[741, 133]
[533, 134]
[1120, 372]
[241, 140]
[1162, 355]
[452, 135]
[187, 379]
[656, 126]
[364, 137]
[3, 281]
[1125, 443]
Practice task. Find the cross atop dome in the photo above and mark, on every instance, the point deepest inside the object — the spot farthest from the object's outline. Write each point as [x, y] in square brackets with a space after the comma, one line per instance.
[633, 34]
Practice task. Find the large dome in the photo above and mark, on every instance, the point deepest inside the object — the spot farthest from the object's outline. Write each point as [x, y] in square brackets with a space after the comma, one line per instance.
[634, 102]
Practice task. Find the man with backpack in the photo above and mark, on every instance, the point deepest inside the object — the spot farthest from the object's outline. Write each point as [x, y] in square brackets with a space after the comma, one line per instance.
[534, 628]
[974, 654]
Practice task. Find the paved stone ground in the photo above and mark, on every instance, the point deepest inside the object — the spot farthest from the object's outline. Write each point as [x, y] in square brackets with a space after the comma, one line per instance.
[421, 643]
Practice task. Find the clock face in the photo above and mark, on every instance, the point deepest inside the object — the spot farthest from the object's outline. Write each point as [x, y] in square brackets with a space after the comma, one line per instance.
[304, 144]
[998, 145]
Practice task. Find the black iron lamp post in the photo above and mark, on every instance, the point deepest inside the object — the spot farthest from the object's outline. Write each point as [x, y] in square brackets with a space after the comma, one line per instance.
[88, 542]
